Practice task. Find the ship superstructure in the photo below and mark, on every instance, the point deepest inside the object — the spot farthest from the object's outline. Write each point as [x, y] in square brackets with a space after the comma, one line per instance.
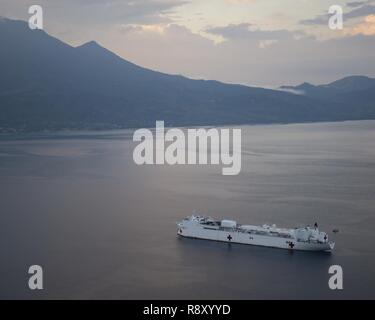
[305, 238]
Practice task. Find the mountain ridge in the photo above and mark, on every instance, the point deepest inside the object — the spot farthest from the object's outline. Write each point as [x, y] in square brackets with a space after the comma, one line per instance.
[346, 84]
[46, 84]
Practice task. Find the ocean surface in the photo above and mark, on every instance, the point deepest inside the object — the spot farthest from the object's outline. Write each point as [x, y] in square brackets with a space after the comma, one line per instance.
[102, 227]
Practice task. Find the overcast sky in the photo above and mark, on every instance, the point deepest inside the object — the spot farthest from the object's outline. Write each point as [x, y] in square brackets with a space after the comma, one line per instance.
[255, 42]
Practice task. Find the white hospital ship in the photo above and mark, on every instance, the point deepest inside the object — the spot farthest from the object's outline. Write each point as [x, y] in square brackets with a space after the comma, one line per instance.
[307, 238]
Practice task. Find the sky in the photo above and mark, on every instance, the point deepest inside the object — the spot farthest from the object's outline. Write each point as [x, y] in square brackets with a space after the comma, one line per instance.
[264, 43]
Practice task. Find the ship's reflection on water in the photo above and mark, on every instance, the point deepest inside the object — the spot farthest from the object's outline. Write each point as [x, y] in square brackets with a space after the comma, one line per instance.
[103, 227]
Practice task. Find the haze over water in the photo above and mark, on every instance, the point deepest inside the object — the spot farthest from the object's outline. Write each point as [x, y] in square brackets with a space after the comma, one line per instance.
[102, 227]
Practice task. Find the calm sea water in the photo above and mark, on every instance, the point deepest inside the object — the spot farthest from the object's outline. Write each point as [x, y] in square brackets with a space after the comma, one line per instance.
[102, 227]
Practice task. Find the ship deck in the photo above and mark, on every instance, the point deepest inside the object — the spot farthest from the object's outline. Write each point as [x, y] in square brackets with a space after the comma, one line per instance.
[215, 225]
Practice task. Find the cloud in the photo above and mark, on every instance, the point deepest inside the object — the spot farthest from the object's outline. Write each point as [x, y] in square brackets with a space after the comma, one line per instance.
[366, 27]
[360, 12]
[361, 9]
[95, 12]
[356, 4]
[290, 90]
[240, 1]
[248, 32]
[266, 43]
[318, 20]
[231, 31]
[257, 57]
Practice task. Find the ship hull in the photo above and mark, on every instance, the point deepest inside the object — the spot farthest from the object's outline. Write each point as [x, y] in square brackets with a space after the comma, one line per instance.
[228, 236]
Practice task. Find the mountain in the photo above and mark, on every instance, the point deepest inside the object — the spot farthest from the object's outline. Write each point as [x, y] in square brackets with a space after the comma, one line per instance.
[46, 84]
[337, 90]
[354, 95]
[353, 83]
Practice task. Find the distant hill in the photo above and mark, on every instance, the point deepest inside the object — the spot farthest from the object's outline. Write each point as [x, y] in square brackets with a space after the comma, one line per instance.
[337, 90]
[46, 84]
[354, 96]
